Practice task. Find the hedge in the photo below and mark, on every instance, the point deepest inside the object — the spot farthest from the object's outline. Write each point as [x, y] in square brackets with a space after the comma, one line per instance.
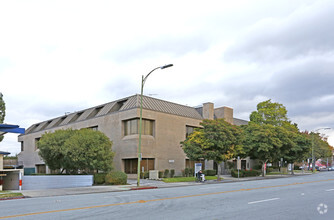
[245, 173]
[209, 172]
[116, 178]
[99, 178]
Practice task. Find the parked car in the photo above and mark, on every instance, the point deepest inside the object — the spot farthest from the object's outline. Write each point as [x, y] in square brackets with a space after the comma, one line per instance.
[320, 168]
[331, 168]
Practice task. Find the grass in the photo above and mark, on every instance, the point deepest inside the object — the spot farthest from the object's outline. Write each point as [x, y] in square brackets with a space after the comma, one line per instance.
[8, 194]
[186, 179]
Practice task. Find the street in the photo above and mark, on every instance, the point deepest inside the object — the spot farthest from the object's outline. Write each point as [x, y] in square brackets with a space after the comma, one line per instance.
[301, 197]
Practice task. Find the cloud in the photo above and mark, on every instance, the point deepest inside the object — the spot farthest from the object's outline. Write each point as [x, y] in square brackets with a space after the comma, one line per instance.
[305, 32]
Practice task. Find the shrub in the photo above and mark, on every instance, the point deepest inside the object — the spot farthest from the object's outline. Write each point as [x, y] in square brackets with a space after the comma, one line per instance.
[191, 171]
[210, 172]
[161, 174]
[245, 173]
[116, 178]
[186, 172]
[99, 178]
[166, 173]
[172, 173]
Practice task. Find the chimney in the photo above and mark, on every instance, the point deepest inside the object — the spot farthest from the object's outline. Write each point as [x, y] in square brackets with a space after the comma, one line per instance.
[226, 113]
[208, 111]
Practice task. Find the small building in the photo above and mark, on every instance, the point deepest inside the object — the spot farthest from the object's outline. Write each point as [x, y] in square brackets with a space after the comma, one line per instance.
[165, 125]
[10, 179]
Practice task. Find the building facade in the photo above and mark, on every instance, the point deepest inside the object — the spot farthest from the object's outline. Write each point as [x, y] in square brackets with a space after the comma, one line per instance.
[165, 125]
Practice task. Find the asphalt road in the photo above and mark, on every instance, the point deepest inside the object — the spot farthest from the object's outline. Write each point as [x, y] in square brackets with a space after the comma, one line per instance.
[302, 197]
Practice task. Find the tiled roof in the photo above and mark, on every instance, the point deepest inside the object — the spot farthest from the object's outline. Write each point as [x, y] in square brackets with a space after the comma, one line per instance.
[238, 122]
[161, 106]
[128, 103]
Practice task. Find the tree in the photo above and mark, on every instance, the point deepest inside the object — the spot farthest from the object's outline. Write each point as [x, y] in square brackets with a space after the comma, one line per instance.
[321, 147]
[74, 150]
[217, 140]
[89, 149]
[2, 112]
[269, 113]
[53, 150]
[262, 142]
[271, 136]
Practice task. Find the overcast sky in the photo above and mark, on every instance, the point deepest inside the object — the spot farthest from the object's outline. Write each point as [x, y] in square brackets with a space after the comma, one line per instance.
[65, 56]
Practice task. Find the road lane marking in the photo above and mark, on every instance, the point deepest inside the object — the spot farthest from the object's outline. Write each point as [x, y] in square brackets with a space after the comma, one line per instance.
[266, 200]
[155, 200]
[329, 190]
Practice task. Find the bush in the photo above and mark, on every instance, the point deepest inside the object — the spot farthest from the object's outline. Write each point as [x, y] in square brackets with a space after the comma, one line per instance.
[161, 174]
[172, 173]
[183, 173]
[116, 178]
[186, 172]
[166, 173]
[191, 171]
[245, 173]
[210, 172]
[99, 178]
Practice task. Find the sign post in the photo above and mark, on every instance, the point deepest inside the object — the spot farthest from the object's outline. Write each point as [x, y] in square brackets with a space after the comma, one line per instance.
[238, 165]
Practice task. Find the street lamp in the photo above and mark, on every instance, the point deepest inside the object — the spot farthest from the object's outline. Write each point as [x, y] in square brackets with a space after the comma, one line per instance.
[313, 162]
[141, 117]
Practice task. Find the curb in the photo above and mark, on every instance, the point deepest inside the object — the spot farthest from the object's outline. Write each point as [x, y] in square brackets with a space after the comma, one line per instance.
[12, 198]
[143, 187]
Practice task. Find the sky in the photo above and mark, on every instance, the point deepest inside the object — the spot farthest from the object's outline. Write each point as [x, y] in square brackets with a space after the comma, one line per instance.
[66, 56]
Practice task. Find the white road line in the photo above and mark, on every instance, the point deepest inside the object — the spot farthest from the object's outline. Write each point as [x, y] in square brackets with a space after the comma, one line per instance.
[329, 190]
[266, 200]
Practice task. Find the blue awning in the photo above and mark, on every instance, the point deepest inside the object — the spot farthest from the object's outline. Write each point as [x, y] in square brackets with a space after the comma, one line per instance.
[6, 128]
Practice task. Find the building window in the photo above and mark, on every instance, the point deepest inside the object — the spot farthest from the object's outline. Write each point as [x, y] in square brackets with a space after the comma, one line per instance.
[189, 130]
[22, 146]
[131, 165]
[132, 127]
[41, 168]
[191, 163]
[36, 143]
[94, 128]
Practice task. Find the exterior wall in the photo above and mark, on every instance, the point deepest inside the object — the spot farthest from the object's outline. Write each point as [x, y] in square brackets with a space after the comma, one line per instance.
[164, 146]
[57, 181]
[11, 181]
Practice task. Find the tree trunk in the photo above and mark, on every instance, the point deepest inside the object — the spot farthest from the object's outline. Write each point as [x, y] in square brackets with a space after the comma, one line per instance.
[218, 174]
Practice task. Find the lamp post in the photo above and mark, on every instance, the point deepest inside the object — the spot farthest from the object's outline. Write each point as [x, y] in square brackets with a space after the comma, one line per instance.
[141, 117]
[313, 161]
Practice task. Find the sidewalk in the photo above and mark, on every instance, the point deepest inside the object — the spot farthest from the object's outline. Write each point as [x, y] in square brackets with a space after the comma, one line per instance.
[144, 184]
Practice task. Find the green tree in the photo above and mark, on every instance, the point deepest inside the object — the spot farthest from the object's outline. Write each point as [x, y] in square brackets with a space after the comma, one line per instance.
[321, 147]
[269, 113]
[262, 142]
[271, 136]
[74, 150]
[217, 140]
[2, 112]
[89, 149]
[53, 150]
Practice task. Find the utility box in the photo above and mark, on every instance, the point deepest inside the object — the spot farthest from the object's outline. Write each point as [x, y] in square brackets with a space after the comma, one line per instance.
[153, 174]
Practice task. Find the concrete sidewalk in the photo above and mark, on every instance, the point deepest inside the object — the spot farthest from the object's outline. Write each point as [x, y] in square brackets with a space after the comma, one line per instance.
[132, 185]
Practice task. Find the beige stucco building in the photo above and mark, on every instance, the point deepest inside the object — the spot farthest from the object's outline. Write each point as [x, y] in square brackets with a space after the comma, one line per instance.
[165, 125]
